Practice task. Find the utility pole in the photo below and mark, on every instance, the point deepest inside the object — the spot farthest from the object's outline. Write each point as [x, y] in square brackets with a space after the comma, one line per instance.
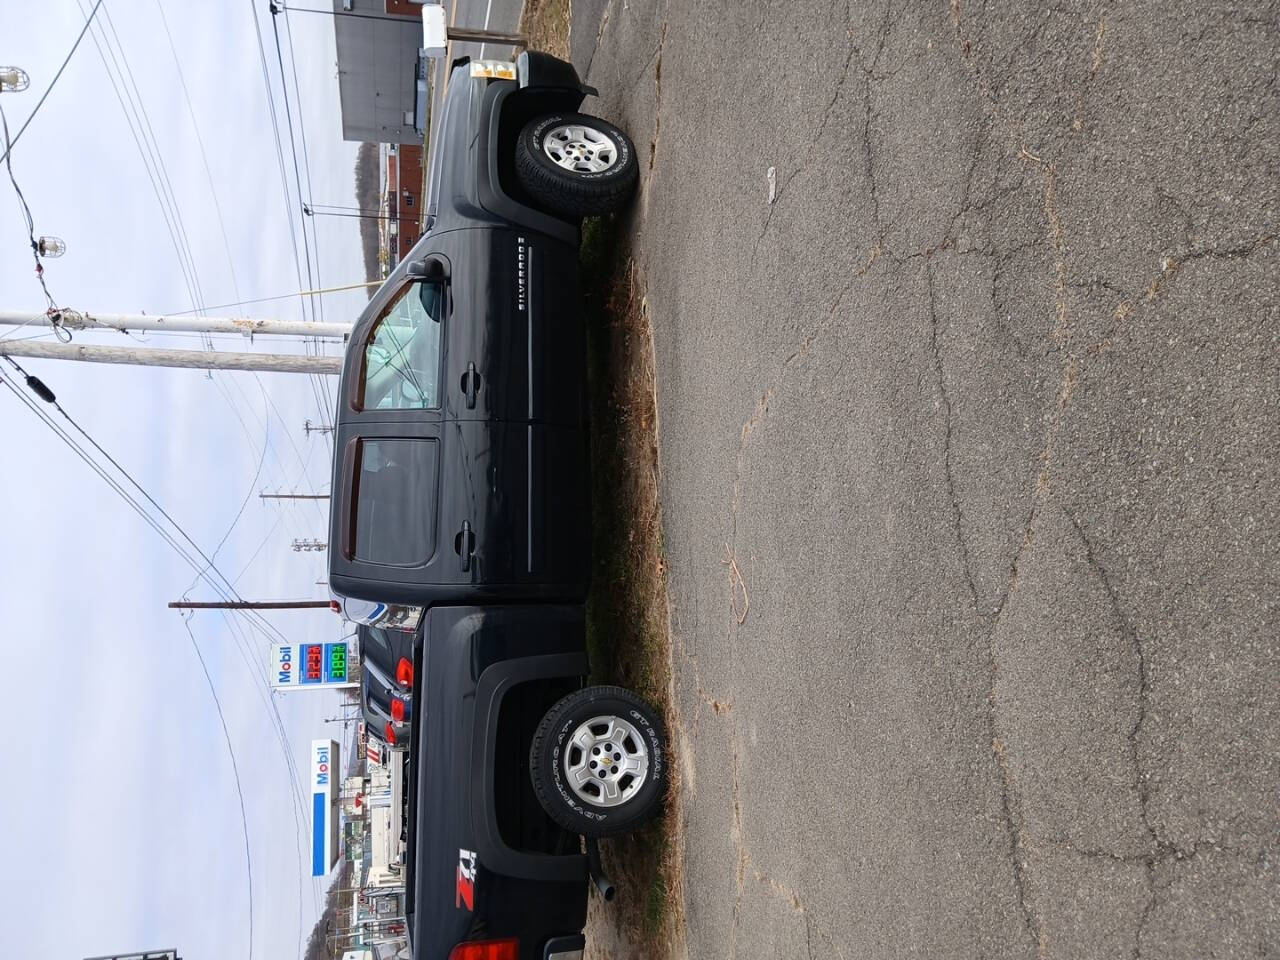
[188, 359]
[454, 33]
[357, 216]
[252, 605]
[130, 322]
[309, 546]
[323, 428]
[293, 496]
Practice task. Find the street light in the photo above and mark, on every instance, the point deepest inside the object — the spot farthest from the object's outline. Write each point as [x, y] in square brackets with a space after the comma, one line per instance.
[51, 247]
[13, 79]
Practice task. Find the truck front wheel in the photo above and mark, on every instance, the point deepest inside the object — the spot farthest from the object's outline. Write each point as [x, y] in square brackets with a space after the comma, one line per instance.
[576, 166]
[599, 762]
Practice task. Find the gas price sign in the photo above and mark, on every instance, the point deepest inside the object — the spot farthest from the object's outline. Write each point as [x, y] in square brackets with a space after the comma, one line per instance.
[310, 665]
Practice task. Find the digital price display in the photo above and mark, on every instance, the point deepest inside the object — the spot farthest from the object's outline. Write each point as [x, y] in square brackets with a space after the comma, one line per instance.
[324, 663]
[337, 662]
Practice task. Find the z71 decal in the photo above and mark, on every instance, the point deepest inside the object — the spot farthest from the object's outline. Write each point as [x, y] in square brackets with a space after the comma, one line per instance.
[466, 879]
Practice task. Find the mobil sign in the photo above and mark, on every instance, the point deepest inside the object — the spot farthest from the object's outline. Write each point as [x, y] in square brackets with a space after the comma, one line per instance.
[324, 806]
[296, 666]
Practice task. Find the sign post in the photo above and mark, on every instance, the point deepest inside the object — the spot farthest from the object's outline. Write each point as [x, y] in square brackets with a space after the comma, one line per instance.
[324, 806]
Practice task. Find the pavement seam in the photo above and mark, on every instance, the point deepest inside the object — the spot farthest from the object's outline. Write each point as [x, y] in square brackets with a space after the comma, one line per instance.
[957, 510]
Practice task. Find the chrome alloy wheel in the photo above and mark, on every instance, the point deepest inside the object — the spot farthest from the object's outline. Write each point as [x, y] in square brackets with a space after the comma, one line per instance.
[580, 149]
[606, 761]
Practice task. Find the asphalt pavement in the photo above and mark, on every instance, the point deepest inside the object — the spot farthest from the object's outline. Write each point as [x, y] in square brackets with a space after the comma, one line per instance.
[970, 443]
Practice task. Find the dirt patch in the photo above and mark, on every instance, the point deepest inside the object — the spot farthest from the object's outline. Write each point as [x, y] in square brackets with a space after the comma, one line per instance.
[627, 617]
[546, 24]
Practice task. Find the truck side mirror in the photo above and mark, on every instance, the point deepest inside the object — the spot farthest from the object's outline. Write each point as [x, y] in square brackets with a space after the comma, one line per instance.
[431, 269]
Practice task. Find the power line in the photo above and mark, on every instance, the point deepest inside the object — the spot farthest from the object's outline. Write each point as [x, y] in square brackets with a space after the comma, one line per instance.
[284, 182]
[324, 398]
[137, 131]
[21, 130]
[283, 296]
[177, 547]
[31, 232]
[235, 770]
[204, 153]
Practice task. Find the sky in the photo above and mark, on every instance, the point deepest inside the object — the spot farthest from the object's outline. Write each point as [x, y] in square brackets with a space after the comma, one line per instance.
[122, 808]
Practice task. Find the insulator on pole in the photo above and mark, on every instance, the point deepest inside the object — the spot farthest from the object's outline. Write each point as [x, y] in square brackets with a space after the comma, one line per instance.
[13, 79]
[51, 247]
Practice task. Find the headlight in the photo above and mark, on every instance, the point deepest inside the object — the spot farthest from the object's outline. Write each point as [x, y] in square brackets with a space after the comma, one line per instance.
[494, 69]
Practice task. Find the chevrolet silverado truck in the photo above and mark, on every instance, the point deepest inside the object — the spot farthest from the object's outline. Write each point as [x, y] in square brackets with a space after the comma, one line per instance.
[460, 500]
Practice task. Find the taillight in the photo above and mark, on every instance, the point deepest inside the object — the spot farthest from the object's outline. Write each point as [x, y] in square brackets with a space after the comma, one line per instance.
[486, 950]
[391, 734]
[397, 710]
[404, 672]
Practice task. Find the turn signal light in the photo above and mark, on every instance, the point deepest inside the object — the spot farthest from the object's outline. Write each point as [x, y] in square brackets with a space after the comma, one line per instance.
[397, 710]
[391, 734]
[486, 950]
[404, 672]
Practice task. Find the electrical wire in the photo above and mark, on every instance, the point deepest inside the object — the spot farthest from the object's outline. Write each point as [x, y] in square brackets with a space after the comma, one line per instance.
[321, 405]
[235, 770]
[52, 309]
[9, 145]
[177, 547]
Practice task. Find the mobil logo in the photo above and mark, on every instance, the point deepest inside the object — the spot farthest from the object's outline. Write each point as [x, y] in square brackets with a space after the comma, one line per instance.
[284, 666]
[321, 766]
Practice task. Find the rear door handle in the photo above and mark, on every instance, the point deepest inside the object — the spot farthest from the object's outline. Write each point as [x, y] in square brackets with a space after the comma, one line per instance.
[471, 385]
[464, 543]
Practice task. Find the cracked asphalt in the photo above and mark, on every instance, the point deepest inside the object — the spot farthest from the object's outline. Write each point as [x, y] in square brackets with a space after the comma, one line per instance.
[970, 444]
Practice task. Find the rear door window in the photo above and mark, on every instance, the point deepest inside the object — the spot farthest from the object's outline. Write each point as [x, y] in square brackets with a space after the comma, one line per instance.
[395, 517]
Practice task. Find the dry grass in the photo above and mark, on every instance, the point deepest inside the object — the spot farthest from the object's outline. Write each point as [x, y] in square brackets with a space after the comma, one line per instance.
[546, 23]
[628, 629]
[628, 633]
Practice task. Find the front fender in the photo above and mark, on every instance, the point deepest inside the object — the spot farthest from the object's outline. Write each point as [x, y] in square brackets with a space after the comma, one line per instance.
[537, 69]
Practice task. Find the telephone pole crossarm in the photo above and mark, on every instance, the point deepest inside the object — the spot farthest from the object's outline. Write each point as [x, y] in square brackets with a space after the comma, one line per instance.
[251, 605]
[190, 359]
[128, 323]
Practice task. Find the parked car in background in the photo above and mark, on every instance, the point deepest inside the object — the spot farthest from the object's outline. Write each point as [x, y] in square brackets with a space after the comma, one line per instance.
[390, 651]
[387, 709]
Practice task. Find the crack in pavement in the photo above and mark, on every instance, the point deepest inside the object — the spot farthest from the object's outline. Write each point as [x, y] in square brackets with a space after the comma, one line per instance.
[957, 511]
[869, 76]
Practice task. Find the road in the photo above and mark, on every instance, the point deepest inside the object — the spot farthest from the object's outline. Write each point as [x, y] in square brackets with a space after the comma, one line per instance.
[970, 443]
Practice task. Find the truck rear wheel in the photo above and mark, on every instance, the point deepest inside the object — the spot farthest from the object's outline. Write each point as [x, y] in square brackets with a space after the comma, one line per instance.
[599, 761]
[575, 165]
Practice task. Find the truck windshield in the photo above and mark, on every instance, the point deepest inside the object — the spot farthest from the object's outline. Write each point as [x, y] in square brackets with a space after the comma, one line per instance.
[402, 354]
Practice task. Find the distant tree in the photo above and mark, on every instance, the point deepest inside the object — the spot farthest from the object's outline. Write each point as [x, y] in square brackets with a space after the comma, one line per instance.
[318, 947]
[368, 198]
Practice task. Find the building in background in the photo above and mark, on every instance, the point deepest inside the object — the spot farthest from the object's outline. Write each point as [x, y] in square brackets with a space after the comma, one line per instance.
[403, 198]
[144, 955]
[382, 70]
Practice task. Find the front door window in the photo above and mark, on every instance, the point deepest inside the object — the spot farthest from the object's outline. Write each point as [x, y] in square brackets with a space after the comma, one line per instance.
[401, 369]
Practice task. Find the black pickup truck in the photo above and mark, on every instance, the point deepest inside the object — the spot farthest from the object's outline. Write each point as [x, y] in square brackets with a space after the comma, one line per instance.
[460, 499]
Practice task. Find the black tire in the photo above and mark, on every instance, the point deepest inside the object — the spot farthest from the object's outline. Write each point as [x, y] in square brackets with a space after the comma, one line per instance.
[570, 193]
[552, 739]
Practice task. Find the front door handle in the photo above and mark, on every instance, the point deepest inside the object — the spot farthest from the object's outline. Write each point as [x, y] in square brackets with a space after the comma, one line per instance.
[464, 543]
[471, 385]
